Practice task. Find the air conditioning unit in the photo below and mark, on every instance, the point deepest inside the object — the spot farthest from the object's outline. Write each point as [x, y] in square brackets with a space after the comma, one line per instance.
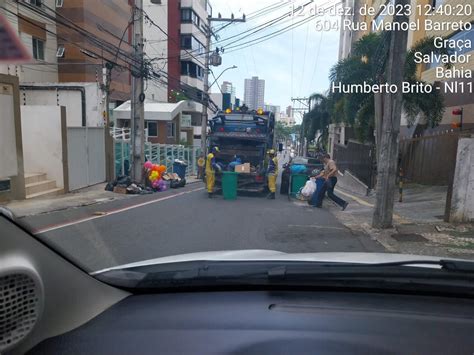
[60, 52]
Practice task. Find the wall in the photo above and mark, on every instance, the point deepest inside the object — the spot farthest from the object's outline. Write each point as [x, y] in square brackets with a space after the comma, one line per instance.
[8, 157]
[462, 201]
[174, 29]
[45, 141]
[156, 46]
[71, 100]
[108, 21]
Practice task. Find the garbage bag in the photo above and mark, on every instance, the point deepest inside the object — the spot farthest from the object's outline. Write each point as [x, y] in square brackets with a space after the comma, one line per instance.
[309, 188]
[110, 186]
[297, 169]
[124, 180]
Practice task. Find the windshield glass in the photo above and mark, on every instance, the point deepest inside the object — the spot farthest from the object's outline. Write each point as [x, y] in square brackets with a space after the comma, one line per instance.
[180, 131]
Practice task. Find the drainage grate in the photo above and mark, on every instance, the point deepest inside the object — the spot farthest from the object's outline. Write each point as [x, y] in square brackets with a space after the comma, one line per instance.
[409, 237]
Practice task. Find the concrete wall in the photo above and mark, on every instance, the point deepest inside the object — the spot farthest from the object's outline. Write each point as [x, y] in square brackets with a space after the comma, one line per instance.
[45, 142]
[8, 159]
[11, 147]
[71, 100]
[462, 201]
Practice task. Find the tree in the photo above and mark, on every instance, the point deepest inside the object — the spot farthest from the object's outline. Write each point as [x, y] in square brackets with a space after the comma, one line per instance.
[318, 118]
[367, 64]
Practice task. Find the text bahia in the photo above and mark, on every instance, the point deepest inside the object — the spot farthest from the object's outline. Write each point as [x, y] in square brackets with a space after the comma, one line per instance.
[367, 88]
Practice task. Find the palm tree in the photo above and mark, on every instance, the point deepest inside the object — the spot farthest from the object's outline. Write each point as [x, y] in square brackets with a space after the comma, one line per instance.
[367, 63]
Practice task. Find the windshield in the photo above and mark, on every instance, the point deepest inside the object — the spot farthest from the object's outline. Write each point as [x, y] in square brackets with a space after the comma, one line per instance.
[167, 132]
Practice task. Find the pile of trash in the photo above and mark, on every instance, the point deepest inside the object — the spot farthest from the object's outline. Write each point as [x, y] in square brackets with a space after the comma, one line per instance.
[125, 185]
[157, 179]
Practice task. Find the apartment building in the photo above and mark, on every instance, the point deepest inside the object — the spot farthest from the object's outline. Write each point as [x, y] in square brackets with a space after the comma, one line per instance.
[254, 93]
[38, 35]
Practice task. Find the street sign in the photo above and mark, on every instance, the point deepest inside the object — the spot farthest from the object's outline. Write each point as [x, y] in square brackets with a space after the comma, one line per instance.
[12, 50]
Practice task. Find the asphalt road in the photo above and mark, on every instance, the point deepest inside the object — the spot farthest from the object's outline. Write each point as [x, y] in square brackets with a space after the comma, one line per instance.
[186, 221]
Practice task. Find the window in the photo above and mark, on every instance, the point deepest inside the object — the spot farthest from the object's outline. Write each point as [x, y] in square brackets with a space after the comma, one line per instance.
[152, 127]
[38, 49]
[59, 3]
[189, 16]
[190, 42]
[436, 3]
[186, 41]
[36, 2]
[462, 35]
[60, 52]
[192, 69]
[171, 129]
[186, 15]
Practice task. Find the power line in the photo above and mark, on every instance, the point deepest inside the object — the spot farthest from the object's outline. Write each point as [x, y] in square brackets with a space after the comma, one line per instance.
[99, 43]
[26, 19]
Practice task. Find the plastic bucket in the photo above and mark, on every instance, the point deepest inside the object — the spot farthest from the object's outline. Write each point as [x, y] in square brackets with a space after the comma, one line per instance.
[179, 169]
[229, 185]
[297, 182]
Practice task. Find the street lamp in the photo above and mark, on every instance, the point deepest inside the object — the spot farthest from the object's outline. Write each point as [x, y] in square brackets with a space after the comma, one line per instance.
[215, 81]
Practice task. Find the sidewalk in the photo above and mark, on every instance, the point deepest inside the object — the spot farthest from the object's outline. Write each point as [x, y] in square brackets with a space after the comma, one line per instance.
[418, 223]
[84, 197]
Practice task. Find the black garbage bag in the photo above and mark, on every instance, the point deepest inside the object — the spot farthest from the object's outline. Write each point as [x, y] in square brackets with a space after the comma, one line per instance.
[176, 184]
[123, 180]
[110, 186]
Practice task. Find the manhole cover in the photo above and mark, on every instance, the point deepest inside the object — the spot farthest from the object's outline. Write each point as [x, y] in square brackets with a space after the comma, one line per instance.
[409, 237]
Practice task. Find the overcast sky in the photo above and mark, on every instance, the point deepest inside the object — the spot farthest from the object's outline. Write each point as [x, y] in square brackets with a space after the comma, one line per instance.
[281, 60]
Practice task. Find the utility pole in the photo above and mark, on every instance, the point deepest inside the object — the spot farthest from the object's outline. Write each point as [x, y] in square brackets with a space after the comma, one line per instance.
[138, 98]
[207, 64]
[205, 104]
[109, 144]
[389, 135]
[305, 101]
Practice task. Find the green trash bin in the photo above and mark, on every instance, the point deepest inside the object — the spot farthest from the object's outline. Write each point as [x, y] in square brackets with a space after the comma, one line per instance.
[297, 182]
[229, 185]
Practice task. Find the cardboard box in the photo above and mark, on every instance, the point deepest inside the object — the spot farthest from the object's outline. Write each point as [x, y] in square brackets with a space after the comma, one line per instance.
[243, 168]
[120, 190]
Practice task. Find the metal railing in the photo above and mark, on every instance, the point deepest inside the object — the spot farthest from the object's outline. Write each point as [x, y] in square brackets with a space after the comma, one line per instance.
[162, 154]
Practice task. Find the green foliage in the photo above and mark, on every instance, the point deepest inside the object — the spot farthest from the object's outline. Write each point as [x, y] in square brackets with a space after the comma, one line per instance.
[367, 63]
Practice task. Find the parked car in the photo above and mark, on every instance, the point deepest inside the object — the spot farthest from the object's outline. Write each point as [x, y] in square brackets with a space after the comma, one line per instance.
[310, 164]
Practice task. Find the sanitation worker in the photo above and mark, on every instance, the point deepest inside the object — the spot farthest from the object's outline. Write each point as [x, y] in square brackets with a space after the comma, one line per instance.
[272, 173]
[211, 167]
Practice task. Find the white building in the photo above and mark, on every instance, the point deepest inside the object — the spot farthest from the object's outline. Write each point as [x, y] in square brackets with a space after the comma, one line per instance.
[254, 93]
[156, 46]
[38, 36]
[273, 108]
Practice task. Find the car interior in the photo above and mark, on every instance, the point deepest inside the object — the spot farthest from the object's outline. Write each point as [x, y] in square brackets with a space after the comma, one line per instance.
[50, 306]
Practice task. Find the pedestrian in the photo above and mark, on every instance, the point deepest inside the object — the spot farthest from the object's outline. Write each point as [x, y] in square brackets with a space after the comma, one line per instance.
[329, 175]
[211, 167]
[201, 162]
[272, 173]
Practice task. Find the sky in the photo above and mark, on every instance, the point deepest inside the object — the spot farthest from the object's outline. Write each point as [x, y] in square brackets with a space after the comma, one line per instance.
[293, 64]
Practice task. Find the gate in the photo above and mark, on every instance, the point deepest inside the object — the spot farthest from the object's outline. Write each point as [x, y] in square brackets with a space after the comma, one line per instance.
[359, 159]
[429, 160]
[162, 154]
[86, 156]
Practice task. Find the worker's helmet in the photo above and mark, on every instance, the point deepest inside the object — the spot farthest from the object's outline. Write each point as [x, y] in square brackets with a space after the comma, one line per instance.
[215, 150]
[271, 152]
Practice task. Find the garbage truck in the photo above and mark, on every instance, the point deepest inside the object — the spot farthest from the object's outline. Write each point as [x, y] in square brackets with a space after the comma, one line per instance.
[244, 138]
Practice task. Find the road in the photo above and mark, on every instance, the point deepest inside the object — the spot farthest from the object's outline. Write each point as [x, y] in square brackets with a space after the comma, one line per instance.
[186, 221]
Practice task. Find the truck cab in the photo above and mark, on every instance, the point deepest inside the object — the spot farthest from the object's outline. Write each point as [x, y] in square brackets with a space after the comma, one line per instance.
[247, 136]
